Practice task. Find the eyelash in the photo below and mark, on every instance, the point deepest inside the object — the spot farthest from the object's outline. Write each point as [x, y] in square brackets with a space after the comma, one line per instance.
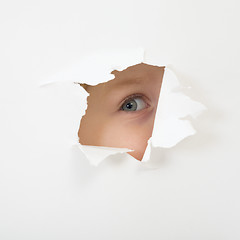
[132, 96]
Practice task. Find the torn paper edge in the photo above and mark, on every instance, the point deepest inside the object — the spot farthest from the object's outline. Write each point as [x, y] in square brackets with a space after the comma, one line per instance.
[169, 126]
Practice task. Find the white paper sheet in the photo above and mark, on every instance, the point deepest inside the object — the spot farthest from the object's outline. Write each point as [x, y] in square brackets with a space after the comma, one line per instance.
[170, 127]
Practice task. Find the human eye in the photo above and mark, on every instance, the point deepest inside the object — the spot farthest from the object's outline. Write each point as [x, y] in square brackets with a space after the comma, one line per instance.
[134, 103]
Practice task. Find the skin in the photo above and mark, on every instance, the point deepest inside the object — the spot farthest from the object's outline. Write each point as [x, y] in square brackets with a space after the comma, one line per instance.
[107, 124]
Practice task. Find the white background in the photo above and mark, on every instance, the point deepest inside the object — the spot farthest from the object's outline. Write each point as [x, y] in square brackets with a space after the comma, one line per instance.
[49, 191]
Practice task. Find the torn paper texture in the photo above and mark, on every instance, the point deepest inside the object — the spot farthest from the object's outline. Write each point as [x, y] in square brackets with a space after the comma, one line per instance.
[96, 68]
[96, 155]
[169, 127]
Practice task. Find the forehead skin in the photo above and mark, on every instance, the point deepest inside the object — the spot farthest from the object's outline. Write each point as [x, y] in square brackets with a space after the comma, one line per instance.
[104, 124]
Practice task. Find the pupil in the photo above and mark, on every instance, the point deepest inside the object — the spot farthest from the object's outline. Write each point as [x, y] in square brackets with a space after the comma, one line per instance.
[129, 105]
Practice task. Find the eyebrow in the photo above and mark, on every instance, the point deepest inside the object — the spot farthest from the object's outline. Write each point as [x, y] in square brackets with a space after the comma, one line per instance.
[127, 81]
[123, 87]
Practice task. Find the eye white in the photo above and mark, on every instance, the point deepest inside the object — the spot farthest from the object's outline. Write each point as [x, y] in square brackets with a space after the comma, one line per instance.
[140, 103]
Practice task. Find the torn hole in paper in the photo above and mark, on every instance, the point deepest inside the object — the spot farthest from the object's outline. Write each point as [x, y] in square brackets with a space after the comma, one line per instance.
[132, 106]
[121, 112]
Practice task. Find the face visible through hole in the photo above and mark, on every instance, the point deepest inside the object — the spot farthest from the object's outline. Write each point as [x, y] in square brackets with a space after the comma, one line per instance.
[121, 112]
